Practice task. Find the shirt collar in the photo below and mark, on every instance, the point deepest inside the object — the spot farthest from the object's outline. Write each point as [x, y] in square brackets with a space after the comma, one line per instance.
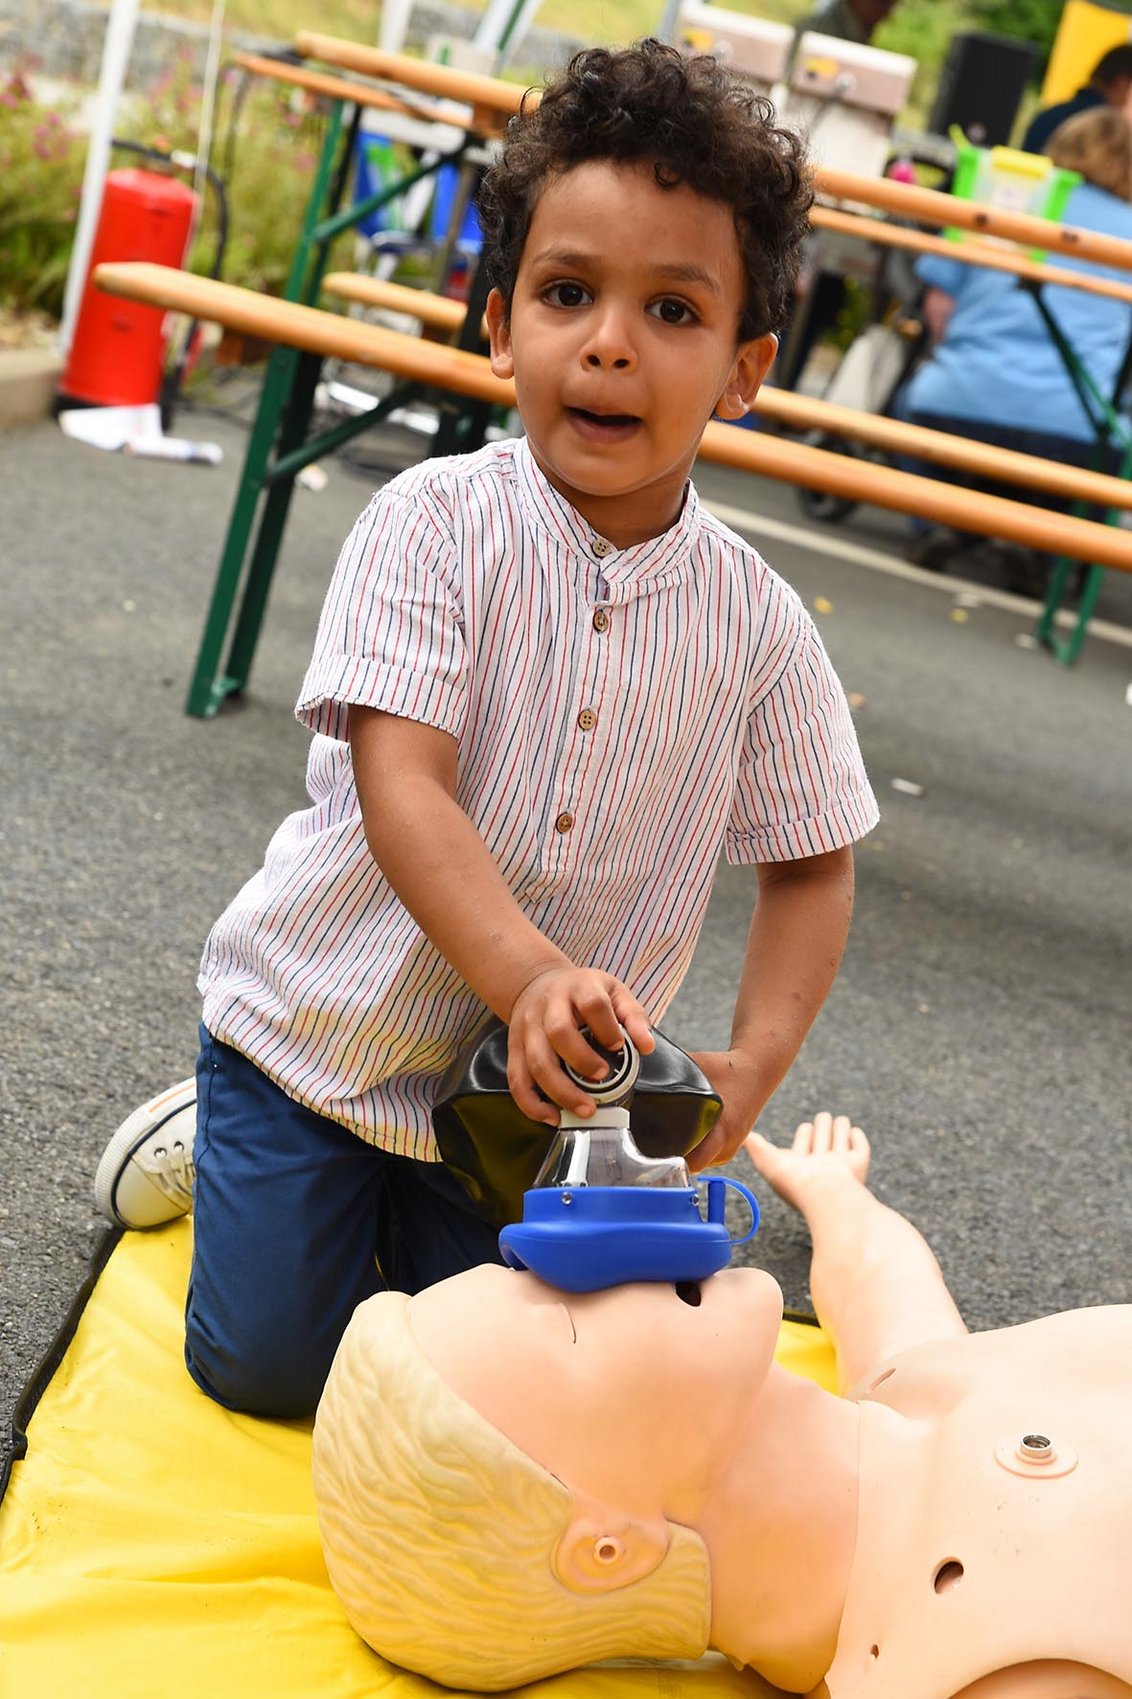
[651, 565]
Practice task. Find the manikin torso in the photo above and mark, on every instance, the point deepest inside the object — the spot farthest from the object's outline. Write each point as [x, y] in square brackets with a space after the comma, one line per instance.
[923, 1528]
[995, 1524]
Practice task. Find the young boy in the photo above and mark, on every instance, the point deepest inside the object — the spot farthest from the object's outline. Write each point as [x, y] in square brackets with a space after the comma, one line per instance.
[547, 689]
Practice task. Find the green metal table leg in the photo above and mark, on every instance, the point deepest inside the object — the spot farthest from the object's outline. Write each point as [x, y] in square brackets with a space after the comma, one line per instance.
[1067, 649]
[208, 687]
[253, 601]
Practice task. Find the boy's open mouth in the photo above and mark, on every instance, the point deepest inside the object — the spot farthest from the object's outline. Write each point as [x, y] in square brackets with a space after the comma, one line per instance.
[602, 425]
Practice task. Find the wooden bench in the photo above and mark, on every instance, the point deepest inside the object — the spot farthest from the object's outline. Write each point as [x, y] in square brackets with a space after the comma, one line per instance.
[311, 334]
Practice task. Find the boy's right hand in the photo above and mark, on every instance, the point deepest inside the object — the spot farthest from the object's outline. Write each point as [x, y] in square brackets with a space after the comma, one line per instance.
[544, 1032]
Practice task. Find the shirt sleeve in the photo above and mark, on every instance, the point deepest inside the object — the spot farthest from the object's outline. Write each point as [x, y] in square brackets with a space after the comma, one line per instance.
[940, 273]
[390, 635]
[801, 788]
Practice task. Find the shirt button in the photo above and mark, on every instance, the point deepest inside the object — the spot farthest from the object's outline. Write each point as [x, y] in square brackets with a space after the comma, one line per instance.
[602, 548]
[564, 823]
[601, 620]
[587, 719]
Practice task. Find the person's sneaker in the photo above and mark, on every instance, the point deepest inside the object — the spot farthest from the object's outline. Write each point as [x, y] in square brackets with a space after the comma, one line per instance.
[145, 1176]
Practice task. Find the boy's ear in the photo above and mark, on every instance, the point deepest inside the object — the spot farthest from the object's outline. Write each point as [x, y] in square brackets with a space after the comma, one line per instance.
[602, 1549]
[499, 336]
[752, 363]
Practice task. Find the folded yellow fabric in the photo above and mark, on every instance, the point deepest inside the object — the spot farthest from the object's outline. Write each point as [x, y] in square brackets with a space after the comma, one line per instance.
[155, 1546]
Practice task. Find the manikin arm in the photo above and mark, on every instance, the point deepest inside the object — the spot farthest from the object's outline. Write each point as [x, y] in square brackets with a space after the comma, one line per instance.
[876, 1286]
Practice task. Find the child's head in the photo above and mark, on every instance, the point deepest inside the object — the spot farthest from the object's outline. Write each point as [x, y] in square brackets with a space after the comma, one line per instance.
[692, 123]
[1098, 144]
[643, 233]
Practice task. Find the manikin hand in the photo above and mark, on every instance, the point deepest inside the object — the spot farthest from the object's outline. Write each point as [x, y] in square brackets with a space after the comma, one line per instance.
[827, 1145]
[544, 1033]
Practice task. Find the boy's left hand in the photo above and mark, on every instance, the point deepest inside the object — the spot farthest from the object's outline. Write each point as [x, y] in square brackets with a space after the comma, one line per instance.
[736, 1079]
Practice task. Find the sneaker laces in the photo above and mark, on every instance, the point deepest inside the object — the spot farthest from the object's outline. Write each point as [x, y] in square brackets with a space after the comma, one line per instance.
[171, 1169]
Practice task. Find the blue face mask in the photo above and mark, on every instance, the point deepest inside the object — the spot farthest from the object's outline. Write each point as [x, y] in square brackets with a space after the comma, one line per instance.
[597, 1202]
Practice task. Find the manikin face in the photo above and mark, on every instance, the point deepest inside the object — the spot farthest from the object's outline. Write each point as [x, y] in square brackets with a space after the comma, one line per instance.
[623, 339]
[630, 1395]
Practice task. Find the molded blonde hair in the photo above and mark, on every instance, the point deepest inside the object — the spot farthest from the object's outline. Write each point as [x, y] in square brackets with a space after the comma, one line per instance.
[439, 1533]
[1098, 144]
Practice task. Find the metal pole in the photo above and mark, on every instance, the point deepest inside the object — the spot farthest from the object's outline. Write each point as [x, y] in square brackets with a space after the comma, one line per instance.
[666, 28]
[112, 74]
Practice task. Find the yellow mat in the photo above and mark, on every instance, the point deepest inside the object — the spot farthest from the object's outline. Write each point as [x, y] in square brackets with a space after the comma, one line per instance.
[155, 1546]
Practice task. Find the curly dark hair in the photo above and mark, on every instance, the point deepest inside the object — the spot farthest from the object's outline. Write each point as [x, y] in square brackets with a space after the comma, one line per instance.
[693, 123]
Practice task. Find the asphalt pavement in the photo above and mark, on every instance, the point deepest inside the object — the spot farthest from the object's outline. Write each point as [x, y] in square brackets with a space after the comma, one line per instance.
[981, 1024]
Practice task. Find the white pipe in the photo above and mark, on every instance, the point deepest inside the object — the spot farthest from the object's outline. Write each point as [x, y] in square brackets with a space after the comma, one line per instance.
[394, 25]
[208, 99]
[112, 74]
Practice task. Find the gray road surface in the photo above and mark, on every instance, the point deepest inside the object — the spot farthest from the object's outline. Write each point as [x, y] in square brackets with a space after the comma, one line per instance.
[981, 1025]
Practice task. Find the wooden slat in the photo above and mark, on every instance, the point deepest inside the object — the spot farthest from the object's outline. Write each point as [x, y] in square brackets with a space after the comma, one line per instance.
[930, 206]
[462, 373]
[338, 88]
[469, 88]
[966, 252]
[438, 312]
[960, 454]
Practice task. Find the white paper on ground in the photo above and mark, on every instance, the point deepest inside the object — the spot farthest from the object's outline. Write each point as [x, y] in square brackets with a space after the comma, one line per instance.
[111, 427]
[138, 431]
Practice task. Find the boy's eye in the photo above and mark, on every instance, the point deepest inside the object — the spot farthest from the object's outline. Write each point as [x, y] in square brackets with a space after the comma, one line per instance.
[672, 311]
[567, 295]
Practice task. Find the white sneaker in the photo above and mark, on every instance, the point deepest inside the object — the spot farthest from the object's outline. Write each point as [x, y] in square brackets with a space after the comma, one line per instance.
[146, 1173]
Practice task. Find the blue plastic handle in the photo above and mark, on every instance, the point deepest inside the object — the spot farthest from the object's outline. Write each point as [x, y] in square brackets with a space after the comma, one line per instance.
[717, 1200]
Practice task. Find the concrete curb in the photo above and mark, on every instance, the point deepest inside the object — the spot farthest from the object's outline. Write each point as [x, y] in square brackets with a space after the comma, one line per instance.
[27, 384]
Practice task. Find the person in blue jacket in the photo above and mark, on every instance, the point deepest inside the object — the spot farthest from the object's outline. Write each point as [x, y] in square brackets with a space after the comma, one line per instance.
[1109, 84]
[994, 372]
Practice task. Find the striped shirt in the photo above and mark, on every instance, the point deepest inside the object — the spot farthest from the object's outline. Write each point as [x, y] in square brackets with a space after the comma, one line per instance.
[621, 715]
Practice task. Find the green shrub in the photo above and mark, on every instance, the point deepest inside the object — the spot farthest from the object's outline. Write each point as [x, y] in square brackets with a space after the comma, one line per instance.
[41, 165]
[266, 146]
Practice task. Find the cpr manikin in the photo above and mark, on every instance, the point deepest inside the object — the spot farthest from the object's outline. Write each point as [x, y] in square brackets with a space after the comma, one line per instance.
[512, 1481]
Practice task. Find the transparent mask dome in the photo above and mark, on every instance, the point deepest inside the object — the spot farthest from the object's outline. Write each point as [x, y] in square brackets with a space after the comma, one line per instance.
[585, 1154]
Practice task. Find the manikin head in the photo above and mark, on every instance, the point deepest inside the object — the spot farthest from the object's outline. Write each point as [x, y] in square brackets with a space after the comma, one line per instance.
[485, 1558]
[484, 1564]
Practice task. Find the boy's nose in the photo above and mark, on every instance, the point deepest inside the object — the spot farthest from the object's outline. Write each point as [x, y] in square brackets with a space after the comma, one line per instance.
[609, 347]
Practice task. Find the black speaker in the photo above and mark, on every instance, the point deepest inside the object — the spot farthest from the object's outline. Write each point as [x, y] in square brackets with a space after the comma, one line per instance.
[981, 86]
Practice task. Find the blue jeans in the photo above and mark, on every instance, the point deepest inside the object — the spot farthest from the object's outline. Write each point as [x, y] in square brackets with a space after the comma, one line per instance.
[296, 1220]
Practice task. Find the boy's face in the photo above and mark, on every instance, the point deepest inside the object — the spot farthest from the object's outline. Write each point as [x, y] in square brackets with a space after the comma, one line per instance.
[623, 340]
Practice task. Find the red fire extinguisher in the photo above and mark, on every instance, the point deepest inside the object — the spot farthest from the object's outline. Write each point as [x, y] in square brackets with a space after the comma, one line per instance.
[117, 356]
